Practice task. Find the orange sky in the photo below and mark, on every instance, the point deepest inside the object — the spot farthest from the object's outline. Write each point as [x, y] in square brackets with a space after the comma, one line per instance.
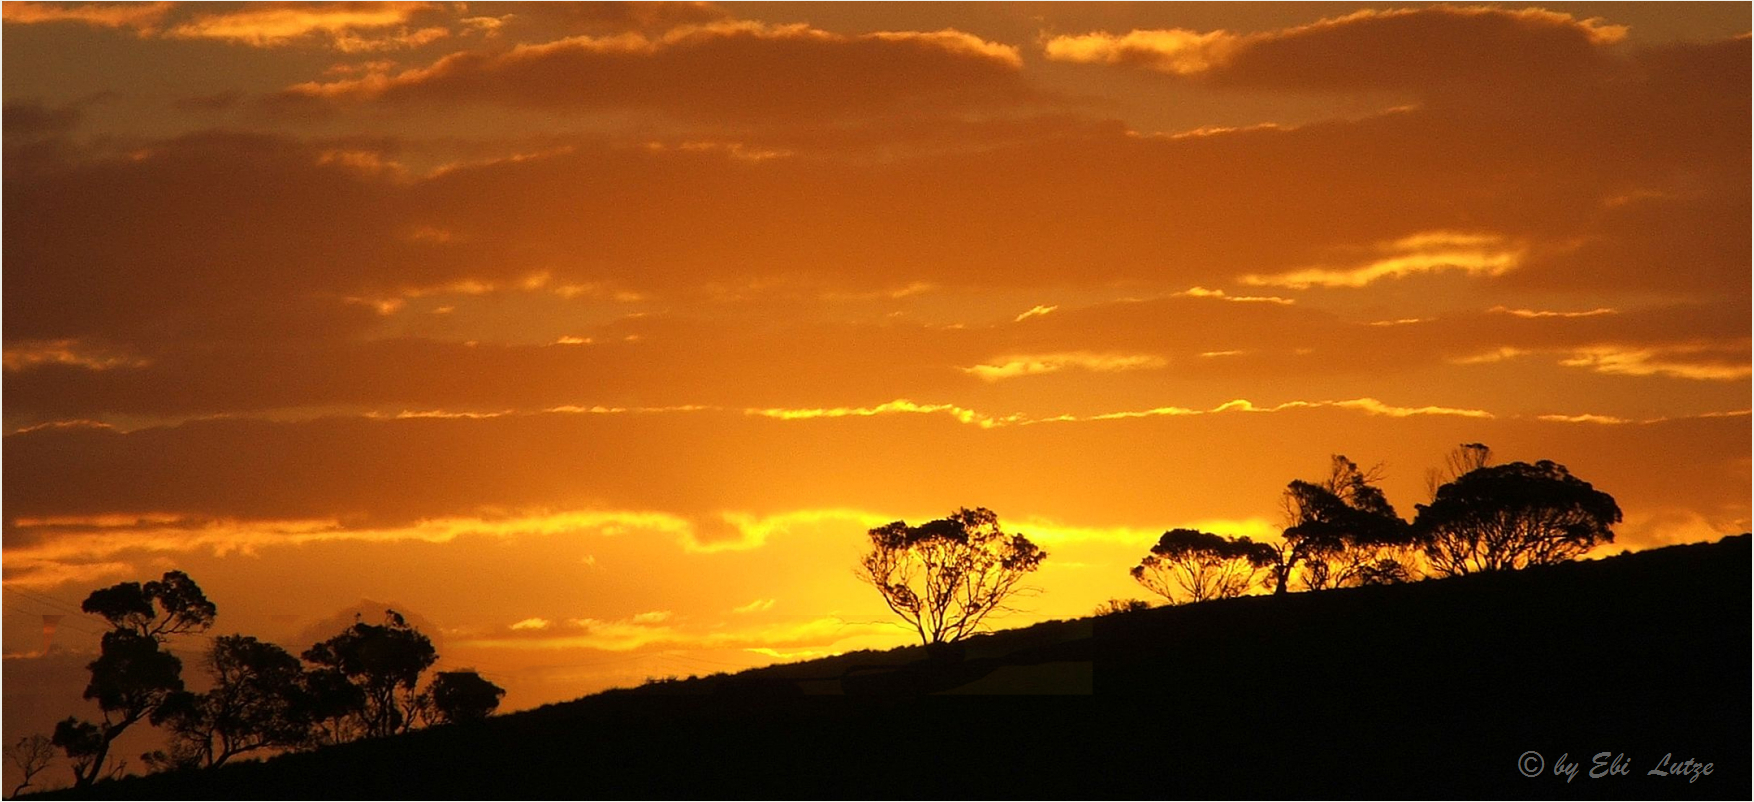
[594, 337]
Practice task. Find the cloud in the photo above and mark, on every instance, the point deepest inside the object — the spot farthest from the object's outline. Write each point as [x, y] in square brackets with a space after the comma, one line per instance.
[1010, 210]
[730, 69]
[1202, 292]
[898, 406]
[1475, 254]
[532, 623]
[23, 356]
[797, 369]
[1584, 418]
[1425, 49]
[51, 550]
[631, 634]
[95, 497]
[1666, 526]
[1175, 51]
[140, 17]
[1367, 405]
[44, 574]
[1034, 311]
[757, 606]
[1537, 313]
[30, 119]
[1699, 363]
[743, 531]
[1029, 365]
[527, 19]
[1499, 354]
[986, 421]
[348, 27]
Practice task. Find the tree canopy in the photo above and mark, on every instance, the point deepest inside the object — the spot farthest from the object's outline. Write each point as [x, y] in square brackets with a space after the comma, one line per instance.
[384, 663]
[1189, 565]
[459, 696]
[1342, 531]
[1505, 517]
[946, 577]
[134, 677]
[159, 609]
[257, 701]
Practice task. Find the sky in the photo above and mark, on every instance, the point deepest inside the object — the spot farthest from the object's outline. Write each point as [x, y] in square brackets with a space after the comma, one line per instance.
[595, 337]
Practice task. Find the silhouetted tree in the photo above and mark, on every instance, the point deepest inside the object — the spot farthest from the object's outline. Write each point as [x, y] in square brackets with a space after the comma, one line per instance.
[1198, 565]
[31, 754]
[133, 675]
[1342, 531]
[1113, 606]
[463, 696]
[170, 606]
[384, 662]
[1505, 517]
[946, 576]
[256, 703]
[1460, 460]
[332, 706]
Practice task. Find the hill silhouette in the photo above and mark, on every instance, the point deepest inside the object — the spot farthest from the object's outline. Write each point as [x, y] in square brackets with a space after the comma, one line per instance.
[1434, 689]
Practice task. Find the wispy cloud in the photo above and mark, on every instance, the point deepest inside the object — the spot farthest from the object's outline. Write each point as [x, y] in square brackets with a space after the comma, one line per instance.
[1368, 405]
[1584, 418]
[1202, 292]
[140, 17]
[1241, 405]
[61, 541]
[631, 634]
[1476, 254]
[347, 27]
[1540, 313]
[1009, 367]
[1682, 363]
[26, 355]
[898, 406]
[1342, 50]
[746, 531]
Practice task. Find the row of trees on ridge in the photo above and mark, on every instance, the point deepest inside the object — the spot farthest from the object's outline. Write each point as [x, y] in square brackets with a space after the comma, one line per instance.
[1341, 531]
[363, 682]
[947, 577]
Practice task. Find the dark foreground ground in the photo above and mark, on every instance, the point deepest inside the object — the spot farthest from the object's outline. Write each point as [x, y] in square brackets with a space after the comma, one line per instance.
[1450, 689]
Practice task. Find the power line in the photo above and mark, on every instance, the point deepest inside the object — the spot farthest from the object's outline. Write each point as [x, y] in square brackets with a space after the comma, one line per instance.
[38, 614]
[52, 601]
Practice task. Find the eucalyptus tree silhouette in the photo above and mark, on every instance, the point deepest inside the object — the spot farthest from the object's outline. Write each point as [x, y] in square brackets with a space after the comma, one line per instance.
[945, 577]
[1505, 517]
[1193, 566]
[30, 754]
[133, 676]
[383, 662]
[256, 702]
[459, 696]
[1117, 605]
[1342, 531]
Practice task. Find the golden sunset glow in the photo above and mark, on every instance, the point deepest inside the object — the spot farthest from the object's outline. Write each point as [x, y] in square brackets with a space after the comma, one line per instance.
[595, 337]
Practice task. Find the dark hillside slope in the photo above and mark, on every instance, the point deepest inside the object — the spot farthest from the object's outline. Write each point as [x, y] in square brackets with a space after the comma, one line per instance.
[1437, 689]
